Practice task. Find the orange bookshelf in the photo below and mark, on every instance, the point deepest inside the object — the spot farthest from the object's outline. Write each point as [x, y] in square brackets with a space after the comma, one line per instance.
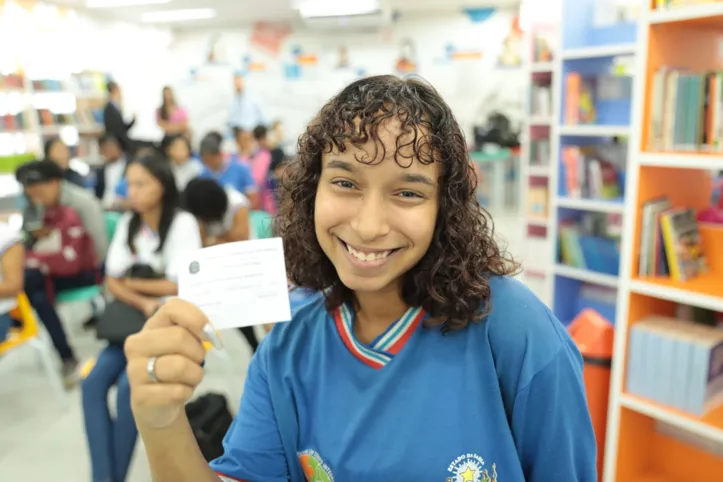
[647, 441]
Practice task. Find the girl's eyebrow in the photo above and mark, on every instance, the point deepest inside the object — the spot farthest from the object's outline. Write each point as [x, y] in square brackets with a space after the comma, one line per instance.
[410, 177]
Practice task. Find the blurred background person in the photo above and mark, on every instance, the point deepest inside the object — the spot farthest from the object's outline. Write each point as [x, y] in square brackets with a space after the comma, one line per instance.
[67, 240]
[171, 117]
[177, 149]
[225, 171]
[113, 118]
[245, 111]
[111, 173]
[57, 151]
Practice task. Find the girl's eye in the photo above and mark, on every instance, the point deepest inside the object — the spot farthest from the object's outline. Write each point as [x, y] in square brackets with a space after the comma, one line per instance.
[409, 194]
[344, 184]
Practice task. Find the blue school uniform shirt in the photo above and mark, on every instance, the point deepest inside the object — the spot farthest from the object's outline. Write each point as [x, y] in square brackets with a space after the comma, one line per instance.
[233, 175]
[502, 400]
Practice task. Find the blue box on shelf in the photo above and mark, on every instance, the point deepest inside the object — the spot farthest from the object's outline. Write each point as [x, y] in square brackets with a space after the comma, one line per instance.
[602, 255]
[581, 29]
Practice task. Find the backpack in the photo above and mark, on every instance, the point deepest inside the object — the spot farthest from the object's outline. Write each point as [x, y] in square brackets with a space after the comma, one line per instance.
[67, 250]
[210, 419]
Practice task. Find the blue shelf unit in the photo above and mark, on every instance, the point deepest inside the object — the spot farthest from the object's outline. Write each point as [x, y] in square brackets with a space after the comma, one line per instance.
[613, 106]
[579, 29]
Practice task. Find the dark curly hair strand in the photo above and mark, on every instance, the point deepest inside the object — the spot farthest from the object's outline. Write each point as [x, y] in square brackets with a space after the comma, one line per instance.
[451, 281]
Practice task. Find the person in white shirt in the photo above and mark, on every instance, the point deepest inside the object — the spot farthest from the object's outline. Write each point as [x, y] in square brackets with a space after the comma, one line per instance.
[12, 263]
[111, 173]
[154, 233]
[177, 149]
[222, 213]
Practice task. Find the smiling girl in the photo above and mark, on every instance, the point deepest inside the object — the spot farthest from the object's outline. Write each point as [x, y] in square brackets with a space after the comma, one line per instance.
[416, 357]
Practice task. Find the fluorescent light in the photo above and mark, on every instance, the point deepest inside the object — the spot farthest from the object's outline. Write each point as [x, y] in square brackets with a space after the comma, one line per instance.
[335, 8]
[163, 16]
[122, 3]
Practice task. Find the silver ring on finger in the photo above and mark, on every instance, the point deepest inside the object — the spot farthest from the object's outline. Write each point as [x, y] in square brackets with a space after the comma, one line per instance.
[151, 369]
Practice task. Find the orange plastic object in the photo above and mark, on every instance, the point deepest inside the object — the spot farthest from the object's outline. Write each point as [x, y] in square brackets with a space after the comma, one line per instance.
[593, 335]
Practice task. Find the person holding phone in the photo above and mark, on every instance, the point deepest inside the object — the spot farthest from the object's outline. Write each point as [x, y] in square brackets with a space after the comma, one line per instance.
[417, 357]
[154, 234]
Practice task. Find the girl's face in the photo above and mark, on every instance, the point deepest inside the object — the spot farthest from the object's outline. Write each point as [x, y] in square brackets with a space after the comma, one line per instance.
[144, 190]
[59, 154]
[178, 152]
[375, 221]
[246, 141]
[168, 95]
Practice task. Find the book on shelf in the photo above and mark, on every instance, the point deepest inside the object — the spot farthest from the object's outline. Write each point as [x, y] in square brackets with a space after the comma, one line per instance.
[666, 4]
[543, 46]
[13, 122]
[47, 85]
[540, 100]
[12, 82]
[537, 202]
[579, 100]
[540, 152]
[591, 242]
[583, 93]
[670, 243]
[677, 363]
[685, 110]
[594, 172]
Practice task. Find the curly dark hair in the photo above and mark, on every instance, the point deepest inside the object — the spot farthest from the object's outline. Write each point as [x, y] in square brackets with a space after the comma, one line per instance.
[451, 281]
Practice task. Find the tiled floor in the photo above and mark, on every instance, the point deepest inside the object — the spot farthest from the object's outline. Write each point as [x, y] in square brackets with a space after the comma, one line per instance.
[40, 440]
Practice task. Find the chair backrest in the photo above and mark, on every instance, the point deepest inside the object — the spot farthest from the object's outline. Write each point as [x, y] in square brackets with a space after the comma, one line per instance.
[29, 329]
[111, 222]
[261, 224]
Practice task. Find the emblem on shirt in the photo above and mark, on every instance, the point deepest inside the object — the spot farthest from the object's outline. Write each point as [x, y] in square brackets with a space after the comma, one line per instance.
[314, 467]
[471, 468]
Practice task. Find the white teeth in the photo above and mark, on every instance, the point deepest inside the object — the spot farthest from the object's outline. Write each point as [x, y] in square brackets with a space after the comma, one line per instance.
[367, 256]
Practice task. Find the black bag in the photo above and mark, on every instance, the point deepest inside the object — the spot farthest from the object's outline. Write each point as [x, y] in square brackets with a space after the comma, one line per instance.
[210, 419]
[120, 320]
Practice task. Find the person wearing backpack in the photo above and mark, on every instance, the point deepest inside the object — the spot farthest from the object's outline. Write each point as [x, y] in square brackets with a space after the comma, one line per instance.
[141, 270]
[66, 241]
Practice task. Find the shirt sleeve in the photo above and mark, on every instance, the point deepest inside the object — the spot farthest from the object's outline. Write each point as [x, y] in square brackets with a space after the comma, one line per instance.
[245, 181]
[253, 450]
[551, 424]
[121, 189]
[185, 236]
[119, 259]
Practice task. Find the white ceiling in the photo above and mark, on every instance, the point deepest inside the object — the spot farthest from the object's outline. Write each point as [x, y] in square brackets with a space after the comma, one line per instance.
[239, 12]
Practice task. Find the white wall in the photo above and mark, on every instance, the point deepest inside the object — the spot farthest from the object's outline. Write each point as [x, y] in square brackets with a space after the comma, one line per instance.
[466, 85]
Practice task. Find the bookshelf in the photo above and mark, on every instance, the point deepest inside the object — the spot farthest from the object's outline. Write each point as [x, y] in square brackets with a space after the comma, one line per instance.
[594, 95]
[536, 154]
[646, 440]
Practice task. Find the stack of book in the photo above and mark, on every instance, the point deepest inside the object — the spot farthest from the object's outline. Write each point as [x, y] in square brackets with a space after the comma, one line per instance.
[670, 243]
[594, 172]
[12, 82]
[686, 110]
[592, 242]
[677, 363]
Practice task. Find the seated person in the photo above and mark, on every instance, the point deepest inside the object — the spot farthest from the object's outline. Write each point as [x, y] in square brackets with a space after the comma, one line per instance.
[279, 163]
[227, 173]
[153, 233]
[222, 214]
[12, 261]
[112, 172]
[177, 148]
[68, 240]
[55, 150]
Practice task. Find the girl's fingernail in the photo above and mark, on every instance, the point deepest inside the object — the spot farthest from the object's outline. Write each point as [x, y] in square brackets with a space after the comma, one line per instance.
[210, 333]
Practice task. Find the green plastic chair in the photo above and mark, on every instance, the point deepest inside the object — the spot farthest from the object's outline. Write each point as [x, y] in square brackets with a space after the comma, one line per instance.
[90, 293]
[261, 224]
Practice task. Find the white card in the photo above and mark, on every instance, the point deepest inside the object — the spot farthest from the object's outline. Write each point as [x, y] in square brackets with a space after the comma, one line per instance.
[238, 284]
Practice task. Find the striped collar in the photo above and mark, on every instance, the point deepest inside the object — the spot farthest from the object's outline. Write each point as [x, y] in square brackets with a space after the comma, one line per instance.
[382, 350]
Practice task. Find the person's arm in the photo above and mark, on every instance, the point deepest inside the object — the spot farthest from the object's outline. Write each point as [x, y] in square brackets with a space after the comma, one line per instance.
[91, 215]
[152, 287]
[246, 186]
[551, 411]
[12, 264]
[122, 292]
[240, 229]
